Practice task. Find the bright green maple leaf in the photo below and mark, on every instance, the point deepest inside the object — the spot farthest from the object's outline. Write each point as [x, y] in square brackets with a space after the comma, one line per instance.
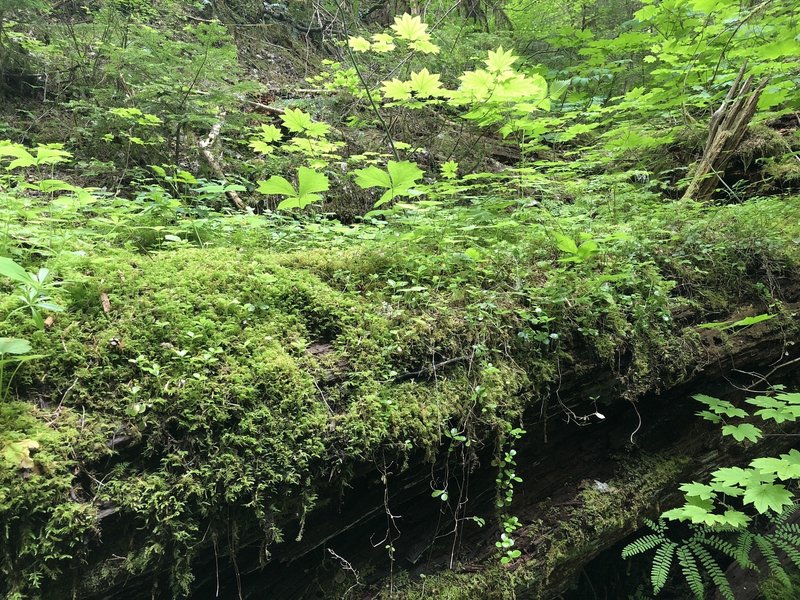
[410, 28]
[296, 120]
[698, 490]
[359, 44]
[500, 60]
[745, 431]
[425, 84]
[425, 46]
[396, 90]
[449, 169]
[768, 496]
[785, 467]
[735, 518]
[383, 42]
[270, 133]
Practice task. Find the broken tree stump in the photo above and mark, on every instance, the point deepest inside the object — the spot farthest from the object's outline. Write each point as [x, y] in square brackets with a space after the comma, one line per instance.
[727, 128]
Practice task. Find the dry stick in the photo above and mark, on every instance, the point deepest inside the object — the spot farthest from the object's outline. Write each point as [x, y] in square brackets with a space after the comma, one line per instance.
[216, 166]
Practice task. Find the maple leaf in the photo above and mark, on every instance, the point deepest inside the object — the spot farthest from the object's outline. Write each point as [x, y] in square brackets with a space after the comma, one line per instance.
[383, 42]
[425, 84]
[768, 496]
[396, 90]
[500, 60]
[359, 44]
[410, 28]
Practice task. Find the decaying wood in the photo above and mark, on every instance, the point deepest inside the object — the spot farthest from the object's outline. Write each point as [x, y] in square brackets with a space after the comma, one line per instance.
[213, 162]
[727, 128]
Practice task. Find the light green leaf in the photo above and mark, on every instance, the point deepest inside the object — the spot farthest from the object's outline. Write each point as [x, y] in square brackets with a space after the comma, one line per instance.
[359, 44]
[768, 496]
[449, 170]
[500, 60]
[745, 431]
[296, 120]
[425, 84]
[14, 346]
[700, 490]
[10, 269]
[410, 28]
[277, 185]
[565, 243]
[309, 183]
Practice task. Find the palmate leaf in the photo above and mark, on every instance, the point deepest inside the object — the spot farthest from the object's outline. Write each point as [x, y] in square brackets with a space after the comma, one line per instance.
[309, 184]
[785, 467]
[410, 28]
[745, 431]
[768, 496]
[296, 120]
[277, 185]
[500, 60]
[700, 490]
[359, 44]
[425, 84]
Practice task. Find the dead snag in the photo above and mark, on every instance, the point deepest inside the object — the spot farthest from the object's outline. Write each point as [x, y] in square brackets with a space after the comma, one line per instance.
[726, 130]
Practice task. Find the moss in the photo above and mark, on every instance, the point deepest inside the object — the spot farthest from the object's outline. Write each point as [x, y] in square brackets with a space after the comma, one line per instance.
[240, 379]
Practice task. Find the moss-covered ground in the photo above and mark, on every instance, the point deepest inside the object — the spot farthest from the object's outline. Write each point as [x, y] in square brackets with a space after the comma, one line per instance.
[217, 375]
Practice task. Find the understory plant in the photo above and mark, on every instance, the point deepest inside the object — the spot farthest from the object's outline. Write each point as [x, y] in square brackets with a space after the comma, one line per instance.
[741, 511]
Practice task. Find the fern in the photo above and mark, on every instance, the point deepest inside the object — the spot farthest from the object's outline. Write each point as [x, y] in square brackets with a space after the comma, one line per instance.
[713, 569]
[644, 544]
[690, 572]
[662, 563]
[738, 553]
[773, 562]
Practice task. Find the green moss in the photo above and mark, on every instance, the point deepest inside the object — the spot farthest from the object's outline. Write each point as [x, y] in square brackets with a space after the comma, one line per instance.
[238, 378]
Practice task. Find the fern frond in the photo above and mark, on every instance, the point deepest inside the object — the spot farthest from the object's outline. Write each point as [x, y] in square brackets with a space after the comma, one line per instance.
[741, 555]
[644, 544]
[789, 550]
[662, 563]
[788, 511]
[773, 562]
[789, 532]
[713, 569]
[744, 546]
[690, 572]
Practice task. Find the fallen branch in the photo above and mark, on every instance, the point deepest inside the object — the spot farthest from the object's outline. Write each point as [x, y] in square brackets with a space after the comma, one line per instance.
[215, 165]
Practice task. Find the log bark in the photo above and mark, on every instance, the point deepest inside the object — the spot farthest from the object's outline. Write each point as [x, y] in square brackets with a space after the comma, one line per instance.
[727, 128]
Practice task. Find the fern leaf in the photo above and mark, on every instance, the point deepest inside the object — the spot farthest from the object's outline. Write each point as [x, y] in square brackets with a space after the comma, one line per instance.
[643, 544]
[741, 555]
[713, 569]
[789, 550]
[773, 562]
[662, 562]
[690, 571]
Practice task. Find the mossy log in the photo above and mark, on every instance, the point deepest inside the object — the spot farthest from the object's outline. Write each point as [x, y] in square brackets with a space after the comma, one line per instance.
[220, 418]
[585, 488]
